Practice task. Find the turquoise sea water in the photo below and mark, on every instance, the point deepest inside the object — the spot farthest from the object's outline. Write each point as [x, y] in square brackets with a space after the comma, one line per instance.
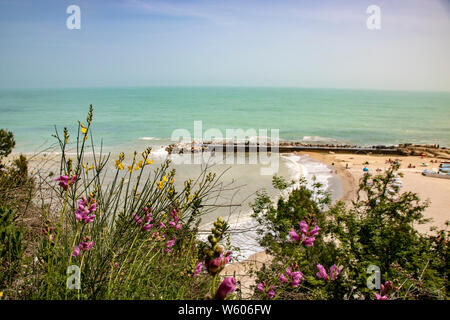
[132, 117]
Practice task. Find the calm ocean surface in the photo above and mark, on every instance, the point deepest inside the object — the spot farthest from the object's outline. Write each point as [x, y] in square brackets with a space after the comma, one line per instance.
[135, 117]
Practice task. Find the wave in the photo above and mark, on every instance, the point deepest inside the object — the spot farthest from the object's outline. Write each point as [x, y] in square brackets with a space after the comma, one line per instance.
[149, 138]
[318, 139]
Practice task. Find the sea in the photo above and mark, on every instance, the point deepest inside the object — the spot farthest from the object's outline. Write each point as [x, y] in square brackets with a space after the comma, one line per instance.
[128, 119]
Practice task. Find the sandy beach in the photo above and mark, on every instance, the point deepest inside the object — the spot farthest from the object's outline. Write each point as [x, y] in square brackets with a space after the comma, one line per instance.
[435, 190]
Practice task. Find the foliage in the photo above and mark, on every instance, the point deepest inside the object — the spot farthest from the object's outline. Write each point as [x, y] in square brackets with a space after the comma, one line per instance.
[133, 237]
[377, 230]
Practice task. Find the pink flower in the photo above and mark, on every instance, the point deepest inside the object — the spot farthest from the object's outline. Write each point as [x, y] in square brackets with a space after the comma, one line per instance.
[147, 227]
[137, 219]
[198, 269]
[322, 272]
[295, 277]
[334, 272]
[162, 225]
[260, 287]
[86, 246]
[85, 210]
[170, 243]
[303, 226]
[76, 252]
[73, 179]
[314, 231]
[294, 235]
[386, 287]
[307, 238]
[148, 218]
[271, 293]
[63, 181]
[283, 278]
[380, 297]
[226, 287]
[308, 241]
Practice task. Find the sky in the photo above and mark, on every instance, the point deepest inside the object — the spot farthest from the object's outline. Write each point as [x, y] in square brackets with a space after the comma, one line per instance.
[279, 43]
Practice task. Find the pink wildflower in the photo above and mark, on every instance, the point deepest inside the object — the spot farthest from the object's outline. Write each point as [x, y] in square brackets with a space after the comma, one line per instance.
[226, 287]
[303, 226]
[295, 277]
[170, 243]
[63, 181]
[271, 293]
[386, 287]
[294, 235]
[76, 251]
[86, 246]
[380, 297]
[334, 272]
[198, 269]
[307, 237]
[322, 272]
[85, 210]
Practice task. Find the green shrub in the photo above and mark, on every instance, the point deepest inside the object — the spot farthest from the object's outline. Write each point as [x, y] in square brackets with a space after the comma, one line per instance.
[377, 230]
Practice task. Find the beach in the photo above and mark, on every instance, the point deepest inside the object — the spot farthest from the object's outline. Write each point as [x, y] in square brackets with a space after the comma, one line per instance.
[435, 190]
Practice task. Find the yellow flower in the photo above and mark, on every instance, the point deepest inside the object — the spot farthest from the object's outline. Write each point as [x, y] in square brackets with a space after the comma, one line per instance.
[138, 166]
[86, 167]
[1, 294]
[160, 185]
[119, 165]
[130, 169]
[172, 180]
[83, 128]
[148, 161]
[164, 179]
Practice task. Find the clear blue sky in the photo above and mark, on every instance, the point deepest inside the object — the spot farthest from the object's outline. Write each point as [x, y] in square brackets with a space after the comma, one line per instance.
[226, 43]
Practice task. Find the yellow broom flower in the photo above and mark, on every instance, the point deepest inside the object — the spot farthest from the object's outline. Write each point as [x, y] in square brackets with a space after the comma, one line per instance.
[119, 165]
[83, 129]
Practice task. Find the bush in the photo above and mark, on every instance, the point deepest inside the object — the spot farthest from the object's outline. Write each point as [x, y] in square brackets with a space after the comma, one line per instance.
[134, 238]
[333, 261]
[12, 247]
